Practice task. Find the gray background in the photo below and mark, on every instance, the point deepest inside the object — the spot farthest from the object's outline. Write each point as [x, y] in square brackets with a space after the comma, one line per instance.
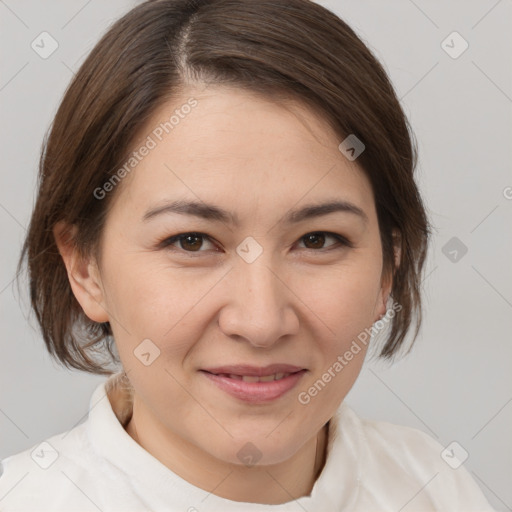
[456, 385]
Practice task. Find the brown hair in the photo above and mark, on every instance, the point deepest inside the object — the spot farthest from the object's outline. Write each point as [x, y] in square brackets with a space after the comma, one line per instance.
[293, 49]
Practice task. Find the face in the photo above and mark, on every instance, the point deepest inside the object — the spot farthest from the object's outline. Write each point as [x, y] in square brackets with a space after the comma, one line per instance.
[246, 284]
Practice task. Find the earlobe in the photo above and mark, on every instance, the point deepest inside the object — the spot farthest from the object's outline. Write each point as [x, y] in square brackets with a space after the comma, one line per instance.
[387, 281]
[83, 274]
[384, 293]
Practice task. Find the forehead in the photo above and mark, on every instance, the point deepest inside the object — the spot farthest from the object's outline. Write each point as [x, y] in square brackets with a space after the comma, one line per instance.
[238, 148]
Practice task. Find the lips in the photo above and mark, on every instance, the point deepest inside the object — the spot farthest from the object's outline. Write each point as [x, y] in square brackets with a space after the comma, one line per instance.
[255, 384]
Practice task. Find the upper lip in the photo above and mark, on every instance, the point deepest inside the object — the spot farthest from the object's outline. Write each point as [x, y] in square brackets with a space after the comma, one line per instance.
[258, 371]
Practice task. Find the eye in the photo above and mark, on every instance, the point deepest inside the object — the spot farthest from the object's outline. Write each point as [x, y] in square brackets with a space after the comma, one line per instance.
[317, 239]
[189, 242]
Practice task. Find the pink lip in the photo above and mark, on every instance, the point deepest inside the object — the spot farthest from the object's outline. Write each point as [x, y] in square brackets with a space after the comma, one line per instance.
[255, 392]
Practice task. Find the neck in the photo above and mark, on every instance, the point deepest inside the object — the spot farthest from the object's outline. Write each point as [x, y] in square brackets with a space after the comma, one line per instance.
[272, 484]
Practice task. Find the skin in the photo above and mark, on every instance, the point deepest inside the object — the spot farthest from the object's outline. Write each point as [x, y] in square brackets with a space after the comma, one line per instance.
[299, 302]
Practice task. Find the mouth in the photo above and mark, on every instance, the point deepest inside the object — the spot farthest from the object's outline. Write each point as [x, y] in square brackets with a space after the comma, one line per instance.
[254, 378]
[255, 384]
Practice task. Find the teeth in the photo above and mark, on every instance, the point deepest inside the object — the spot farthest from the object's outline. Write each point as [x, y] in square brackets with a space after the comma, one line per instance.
[254, 378]
[250, 378]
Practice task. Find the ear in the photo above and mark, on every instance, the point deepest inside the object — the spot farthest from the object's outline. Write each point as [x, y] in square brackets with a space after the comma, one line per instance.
[83, 274]
[387, 279]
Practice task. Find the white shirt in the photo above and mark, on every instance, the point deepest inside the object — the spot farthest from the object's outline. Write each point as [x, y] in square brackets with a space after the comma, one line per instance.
[96, 466]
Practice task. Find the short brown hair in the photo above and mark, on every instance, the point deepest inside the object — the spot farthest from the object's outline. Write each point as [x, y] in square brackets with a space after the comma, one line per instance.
[293, 49]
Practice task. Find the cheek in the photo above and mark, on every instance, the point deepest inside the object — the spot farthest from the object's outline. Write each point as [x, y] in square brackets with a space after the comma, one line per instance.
[168, 305]
[342, 297]
[146, 293]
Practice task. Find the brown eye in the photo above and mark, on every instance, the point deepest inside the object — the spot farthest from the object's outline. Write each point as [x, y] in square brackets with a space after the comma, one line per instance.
[317, 240]
[192, 242]
[188, 242]
[314, 240]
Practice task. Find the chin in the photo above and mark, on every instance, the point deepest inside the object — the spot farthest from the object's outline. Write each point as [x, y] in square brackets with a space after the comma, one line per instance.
[254, 450]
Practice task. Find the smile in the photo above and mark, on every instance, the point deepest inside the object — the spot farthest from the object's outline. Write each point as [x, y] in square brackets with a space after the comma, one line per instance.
[255, 388]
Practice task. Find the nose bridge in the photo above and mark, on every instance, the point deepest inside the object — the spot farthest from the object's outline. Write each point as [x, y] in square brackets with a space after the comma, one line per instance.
[259, 310]
[259, 285]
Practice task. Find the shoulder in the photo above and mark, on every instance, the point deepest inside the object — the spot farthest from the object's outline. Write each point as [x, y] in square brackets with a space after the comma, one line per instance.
[47, 473]
[402, 461]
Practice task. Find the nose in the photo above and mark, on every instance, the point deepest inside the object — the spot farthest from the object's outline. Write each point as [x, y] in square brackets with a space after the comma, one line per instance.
[260, 309]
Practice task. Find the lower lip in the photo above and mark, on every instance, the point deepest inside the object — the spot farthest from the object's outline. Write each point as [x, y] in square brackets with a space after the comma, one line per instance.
[256, 392]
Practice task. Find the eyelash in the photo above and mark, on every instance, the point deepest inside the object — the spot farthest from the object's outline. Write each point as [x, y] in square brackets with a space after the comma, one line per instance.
[344, 242]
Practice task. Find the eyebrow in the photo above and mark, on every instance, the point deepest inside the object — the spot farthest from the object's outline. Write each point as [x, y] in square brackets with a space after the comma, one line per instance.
[214, 213]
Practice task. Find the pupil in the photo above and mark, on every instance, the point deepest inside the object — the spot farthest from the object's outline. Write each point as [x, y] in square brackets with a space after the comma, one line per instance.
[317, 236]
[192, 237]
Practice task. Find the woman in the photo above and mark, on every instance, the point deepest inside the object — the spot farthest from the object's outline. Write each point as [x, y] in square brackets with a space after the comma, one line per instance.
[226, 208]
